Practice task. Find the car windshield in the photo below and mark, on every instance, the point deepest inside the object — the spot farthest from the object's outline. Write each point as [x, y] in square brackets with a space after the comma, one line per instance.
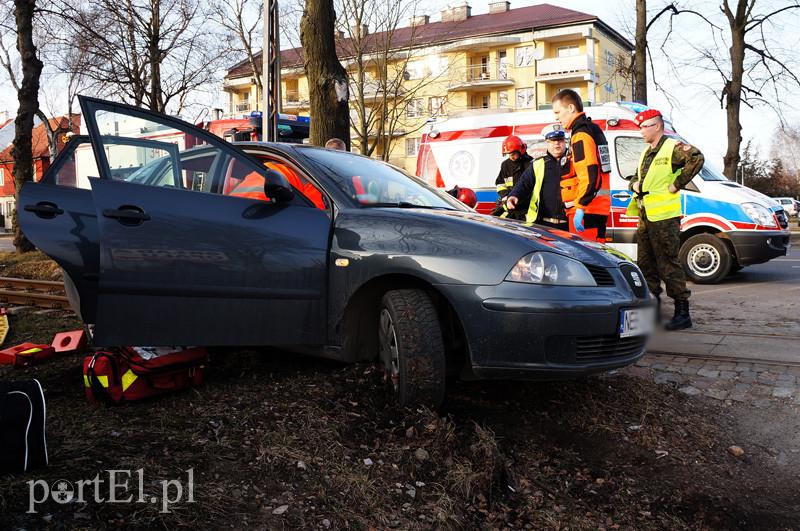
[372, 183]
[710, 173]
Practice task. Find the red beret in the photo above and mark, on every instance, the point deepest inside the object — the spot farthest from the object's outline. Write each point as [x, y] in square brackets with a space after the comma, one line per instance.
[645, 115]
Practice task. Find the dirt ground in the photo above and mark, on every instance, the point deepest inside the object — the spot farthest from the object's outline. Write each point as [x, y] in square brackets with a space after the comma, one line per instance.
[276, 440]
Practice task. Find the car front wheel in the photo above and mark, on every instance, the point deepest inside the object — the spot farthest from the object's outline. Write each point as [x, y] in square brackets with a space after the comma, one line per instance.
[705, 258]
[411, 347]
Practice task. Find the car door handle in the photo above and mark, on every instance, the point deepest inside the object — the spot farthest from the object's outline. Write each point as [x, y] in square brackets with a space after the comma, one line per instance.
[127, 215]
[45, 209]
[622, 195]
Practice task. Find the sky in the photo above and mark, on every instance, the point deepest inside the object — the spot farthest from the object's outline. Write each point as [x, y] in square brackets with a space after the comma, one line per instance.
[692, 105]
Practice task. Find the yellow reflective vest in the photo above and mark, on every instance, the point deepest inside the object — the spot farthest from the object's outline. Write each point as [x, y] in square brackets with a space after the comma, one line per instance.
[538, 177]
[659, 203]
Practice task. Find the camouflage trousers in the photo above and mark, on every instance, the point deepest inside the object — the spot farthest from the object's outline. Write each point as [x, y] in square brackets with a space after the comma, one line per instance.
[658, 245]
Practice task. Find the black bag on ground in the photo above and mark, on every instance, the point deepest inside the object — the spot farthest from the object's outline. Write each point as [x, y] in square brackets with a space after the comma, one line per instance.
[22, 426]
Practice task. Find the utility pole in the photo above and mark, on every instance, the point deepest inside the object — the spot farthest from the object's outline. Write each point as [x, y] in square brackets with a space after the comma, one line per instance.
[271, 70]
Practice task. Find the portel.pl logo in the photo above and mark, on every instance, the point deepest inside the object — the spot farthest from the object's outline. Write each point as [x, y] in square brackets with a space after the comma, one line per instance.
[114, 489]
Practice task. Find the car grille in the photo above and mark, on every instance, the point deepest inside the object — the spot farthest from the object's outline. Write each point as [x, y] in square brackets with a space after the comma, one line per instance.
[783, 219]
[633, 275]
[601, 275]
[588, 348]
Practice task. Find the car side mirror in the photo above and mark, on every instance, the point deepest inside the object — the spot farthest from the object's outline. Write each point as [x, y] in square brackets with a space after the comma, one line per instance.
[277, 187]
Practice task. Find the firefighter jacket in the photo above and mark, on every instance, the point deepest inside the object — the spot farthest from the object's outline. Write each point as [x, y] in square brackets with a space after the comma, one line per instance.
[510, 173]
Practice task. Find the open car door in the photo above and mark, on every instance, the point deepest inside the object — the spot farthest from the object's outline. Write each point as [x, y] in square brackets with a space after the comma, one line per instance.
[57, 215]
[184, 260]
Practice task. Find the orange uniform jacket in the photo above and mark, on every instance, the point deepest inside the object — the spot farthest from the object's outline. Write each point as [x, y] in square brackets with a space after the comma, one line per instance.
[592, 163]
[252, 186]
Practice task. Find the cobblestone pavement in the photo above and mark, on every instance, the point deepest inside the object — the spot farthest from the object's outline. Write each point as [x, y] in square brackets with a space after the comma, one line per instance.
[759, 384]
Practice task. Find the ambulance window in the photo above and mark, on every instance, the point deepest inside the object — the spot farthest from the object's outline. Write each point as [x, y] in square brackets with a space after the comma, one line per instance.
[628, 149]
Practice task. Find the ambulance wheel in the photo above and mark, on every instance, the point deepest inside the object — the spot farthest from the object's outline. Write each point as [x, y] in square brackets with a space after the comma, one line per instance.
[411, 347]
[705, 258]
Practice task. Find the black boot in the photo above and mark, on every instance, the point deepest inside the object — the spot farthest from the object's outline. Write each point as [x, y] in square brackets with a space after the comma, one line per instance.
[681, 319]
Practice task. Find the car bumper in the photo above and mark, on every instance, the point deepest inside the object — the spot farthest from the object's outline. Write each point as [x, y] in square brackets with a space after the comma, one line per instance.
[758, 247]
[523, 331]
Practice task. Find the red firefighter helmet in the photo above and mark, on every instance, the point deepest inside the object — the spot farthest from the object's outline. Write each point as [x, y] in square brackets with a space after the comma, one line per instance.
[513, 143]
[467, 196]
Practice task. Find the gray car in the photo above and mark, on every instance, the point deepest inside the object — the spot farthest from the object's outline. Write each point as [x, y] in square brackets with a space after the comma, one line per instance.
[168, 235]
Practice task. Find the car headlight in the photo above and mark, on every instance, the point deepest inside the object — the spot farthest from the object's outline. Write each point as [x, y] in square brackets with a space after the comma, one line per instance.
[552, 269]
[759, 214]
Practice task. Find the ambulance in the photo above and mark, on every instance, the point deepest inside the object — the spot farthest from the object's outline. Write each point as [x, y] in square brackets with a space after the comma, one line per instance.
[725, 226]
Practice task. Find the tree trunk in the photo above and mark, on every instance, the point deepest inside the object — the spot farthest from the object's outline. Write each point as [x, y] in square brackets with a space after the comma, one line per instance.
[154, 56]
[28, 96]
[640, 55]
[328, 90]
[733, 89]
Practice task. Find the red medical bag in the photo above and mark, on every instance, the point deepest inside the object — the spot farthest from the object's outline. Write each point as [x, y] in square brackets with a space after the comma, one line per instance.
[125, 375]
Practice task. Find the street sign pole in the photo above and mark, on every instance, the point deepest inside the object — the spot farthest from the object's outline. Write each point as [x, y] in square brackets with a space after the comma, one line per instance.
[271, 81]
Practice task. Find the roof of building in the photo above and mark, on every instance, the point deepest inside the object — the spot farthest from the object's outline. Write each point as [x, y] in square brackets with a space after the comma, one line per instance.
[514, 20]
[39, 144]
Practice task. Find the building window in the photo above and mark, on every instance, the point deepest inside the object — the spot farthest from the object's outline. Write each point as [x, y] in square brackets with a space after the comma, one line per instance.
[523, 56]
[609, 88]
[611, 60]
[415, 70]
[412, 147]
[436, 106]
[416, 108]
[2, 176]
[502, 98]
[568, 51]
[526, 98]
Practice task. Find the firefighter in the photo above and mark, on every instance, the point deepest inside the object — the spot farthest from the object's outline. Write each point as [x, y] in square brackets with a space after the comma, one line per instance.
[665, 166]
[510, 172]
[592, 163]
[540, 185]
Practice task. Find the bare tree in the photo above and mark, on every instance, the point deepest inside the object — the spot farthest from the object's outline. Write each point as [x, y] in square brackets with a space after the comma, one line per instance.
[242, 24]
[384, 70]
[327, 79]
[28, 96]
[642, 49]
[150, 52]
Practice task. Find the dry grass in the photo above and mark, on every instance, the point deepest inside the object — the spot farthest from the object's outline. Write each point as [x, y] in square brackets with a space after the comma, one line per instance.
[32, 265]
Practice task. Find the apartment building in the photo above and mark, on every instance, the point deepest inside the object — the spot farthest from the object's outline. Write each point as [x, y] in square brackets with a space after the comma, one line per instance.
[506, 60]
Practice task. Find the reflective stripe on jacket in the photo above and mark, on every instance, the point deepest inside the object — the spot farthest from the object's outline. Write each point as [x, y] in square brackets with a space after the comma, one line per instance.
[659, 203]
[538, 180]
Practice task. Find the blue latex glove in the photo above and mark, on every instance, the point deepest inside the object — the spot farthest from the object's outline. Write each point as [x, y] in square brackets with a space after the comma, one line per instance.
[578, 221]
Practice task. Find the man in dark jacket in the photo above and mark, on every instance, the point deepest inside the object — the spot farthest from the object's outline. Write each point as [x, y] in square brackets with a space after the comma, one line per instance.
[510, 172]
[540, 185]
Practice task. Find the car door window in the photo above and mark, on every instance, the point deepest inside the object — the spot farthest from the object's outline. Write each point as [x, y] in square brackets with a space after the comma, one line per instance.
[628, 149]
[142, 148]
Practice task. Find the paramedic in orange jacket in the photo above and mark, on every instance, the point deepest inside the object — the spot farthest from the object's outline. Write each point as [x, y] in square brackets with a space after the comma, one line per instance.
[592, 164]
[252, 186]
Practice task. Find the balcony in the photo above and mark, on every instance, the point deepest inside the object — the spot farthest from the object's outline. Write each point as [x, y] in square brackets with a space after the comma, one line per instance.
[241, 107]
[293, 101]
[482, 76]
[574, 68]
[374, 92]
[471, 110]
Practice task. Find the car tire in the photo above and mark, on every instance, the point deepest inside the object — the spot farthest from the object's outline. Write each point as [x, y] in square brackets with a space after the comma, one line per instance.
[705, 259]
[411, 347]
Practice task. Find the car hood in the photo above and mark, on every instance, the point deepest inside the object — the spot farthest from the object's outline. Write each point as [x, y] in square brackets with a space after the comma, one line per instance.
[537, 237]
[737, 193]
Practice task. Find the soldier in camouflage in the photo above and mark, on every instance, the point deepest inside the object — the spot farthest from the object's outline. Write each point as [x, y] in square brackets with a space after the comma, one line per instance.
[665, 167]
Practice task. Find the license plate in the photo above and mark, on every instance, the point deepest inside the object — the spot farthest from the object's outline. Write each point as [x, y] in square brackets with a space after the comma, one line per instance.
[637, 322]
